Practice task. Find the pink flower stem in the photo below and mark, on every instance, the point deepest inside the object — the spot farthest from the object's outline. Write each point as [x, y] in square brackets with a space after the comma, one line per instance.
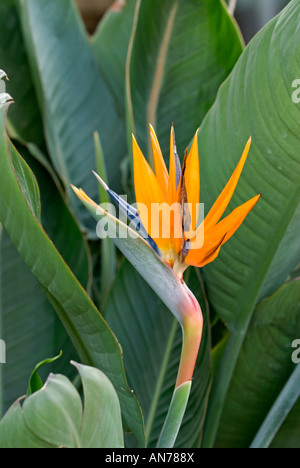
[192, 326]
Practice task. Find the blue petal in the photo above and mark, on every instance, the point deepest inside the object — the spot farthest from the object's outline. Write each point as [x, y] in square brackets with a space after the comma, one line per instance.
[131, 213]
[134, 217]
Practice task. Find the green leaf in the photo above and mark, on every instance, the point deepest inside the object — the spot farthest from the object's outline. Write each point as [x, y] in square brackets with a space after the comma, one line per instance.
[28, 324]
[35, 381]
[263, 368]
[59, 222]
[102, 424]
[27, 317]
[14, 433]
[256, 100]
[148, 334]
[75, 99]
[54, 413]
[110, 45]
[180, 53]
[25, 121]
[21, 295]
[27, 181]
[78, 314]
[279, 411]
[55, 417]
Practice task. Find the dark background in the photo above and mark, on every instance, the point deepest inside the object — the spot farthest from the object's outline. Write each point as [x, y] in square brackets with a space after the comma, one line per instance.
[252, 15]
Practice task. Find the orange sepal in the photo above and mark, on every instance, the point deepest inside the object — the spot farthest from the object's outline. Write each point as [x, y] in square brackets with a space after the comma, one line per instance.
[216, 236]
[149, 196]
[161, 170]
[192, 184]
[223, 200]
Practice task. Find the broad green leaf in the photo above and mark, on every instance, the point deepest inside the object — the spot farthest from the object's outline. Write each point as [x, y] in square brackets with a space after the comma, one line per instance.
[148, 334]
[263, 367]
[75, 99]
[59, 222]
[27, 317]
[29, 326]
[14, 433]
[102, 424]
[89, 332]
[54, 416]
[110, 45]
[180, 53]
[35, 381]
[54, 413]
[27, 181]
[285, 259]
[25, 122]
[256, 100]
[279, 411]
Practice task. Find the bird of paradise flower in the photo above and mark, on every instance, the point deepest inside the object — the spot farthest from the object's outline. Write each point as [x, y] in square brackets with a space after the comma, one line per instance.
[189, 241]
